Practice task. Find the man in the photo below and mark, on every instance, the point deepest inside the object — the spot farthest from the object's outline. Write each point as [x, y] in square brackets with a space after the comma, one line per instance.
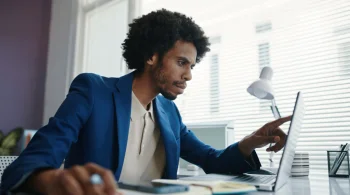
[122, 129]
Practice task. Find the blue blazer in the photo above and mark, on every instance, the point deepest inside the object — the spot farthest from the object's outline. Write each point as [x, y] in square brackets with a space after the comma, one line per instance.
[92, 125]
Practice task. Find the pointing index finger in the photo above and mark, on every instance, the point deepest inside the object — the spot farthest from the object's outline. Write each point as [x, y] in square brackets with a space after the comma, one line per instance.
[279, 122]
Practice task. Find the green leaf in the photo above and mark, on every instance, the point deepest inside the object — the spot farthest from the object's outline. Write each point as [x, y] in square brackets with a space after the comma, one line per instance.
[11, 139]
[5, 152]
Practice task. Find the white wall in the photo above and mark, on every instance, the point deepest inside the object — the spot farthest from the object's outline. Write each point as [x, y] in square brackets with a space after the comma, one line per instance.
[60, 55]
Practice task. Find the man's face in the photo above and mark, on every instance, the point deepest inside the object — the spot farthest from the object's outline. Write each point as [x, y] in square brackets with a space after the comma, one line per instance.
[171, 73]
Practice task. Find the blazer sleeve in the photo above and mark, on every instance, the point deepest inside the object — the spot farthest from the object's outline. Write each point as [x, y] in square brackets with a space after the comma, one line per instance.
[226, 161]
[51, 143]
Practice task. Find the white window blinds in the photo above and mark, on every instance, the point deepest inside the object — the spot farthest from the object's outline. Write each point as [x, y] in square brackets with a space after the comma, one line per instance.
[306, 42]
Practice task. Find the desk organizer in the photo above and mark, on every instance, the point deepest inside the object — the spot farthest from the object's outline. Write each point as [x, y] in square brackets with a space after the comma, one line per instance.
[338, 163]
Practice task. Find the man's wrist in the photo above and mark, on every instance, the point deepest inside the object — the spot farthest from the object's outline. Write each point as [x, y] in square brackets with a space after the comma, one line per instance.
[245, 147]
[37, 182]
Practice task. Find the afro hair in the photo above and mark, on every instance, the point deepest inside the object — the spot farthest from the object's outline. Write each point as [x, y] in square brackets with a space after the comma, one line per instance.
[157, 32]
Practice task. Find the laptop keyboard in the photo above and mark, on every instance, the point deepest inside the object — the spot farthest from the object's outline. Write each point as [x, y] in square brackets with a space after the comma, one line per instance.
[245, 178]
[261, 179]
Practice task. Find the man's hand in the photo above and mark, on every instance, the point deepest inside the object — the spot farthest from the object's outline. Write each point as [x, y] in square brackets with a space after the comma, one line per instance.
[73, 181]
[269, 133]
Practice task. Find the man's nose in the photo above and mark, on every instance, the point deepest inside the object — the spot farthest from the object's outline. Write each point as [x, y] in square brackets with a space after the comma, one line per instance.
[188, 74]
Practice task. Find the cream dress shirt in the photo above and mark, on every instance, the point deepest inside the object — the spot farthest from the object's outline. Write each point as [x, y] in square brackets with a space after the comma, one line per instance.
[145, 156]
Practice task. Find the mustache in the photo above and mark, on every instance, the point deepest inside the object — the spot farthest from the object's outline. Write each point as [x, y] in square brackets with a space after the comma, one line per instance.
[179, 83]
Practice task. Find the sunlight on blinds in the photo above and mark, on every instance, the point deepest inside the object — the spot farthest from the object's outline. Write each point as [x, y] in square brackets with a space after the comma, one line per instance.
[306, 42]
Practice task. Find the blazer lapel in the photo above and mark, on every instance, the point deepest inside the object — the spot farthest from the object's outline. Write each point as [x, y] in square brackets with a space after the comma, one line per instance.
[169, 141]
[122, 103]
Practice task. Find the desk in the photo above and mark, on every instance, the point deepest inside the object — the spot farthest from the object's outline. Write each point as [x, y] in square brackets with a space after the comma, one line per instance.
[312, 185]
[302, 186]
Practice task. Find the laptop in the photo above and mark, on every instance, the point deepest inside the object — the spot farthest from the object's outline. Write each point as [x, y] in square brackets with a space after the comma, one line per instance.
[269, 182]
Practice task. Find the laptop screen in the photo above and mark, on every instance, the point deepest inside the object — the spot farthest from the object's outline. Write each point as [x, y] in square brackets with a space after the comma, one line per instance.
[291, 142]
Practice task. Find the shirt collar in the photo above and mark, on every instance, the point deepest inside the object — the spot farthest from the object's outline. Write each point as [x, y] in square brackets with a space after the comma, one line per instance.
[137, 109]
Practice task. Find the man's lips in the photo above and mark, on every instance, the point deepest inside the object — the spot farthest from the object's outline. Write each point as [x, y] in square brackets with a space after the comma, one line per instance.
[182, 86]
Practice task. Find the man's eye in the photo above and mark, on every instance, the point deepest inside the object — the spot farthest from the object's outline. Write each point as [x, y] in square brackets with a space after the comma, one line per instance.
[181, 63]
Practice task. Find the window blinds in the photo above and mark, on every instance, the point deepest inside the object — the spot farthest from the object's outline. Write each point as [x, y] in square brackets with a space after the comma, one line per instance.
[306, 42]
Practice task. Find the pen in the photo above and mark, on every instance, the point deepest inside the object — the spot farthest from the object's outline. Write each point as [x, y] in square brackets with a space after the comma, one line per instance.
[96, 179]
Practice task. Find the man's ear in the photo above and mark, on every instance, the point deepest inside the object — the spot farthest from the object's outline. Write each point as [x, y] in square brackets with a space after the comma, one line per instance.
[153, 60]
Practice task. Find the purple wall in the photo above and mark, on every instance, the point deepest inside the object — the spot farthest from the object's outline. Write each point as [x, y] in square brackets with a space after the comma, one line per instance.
[24, 30]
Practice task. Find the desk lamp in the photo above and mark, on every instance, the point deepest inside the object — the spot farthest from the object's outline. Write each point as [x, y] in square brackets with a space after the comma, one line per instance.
[262, 89]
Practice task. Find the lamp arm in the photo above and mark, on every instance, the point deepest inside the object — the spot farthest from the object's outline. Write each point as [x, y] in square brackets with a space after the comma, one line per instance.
[276, 113]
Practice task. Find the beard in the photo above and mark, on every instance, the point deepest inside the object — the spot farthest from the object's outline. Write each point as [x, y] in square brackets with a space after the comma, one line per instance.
[162, 80]
[168, 95]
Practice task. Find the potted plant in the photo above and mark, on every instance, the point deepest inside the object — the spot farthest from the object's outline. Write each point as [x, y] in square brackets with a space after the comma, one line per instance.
[8, 143]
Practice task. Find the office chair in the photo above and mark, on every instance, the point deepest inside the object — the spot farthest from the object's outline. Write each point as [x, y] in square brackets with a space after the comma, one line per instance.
[4, 162]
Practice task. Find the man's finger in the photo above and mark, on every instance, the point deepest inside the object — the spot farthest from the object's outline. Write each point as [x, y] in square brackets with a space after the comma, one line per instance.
[107, 176]
[278, 132]
[261, 141]
[111, 186]
[271, 139]
[275, 148]
[278, 122]
[70, 184]
[83, 176]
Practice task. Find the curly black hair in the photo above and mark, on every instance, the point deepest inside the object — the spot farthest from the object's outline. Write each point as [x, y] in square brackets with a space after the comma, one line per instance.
[157, 32]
